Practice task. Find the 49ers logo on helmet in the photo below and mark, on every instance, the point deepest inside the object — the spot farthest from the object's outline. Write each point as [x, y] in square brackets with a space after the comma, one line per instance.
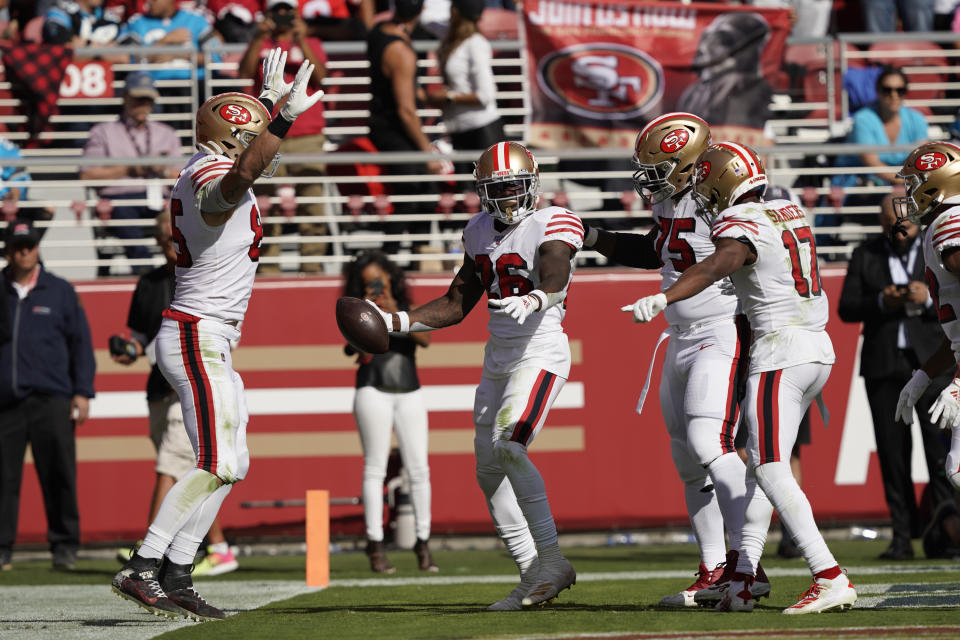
[930, 161]
[701, 171]
[674, 141]
[235, 114]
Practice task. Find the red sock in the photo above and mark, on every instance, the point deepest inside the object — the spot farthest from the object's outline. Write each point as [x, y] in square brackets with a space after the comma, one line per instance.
[828, 574]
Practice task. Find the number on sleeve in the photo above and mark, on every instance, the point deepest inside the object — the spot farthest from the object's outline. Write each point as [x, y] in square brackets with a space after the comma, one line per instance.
[184, 260]
[806, 280]
[257, 227]
[946, 312]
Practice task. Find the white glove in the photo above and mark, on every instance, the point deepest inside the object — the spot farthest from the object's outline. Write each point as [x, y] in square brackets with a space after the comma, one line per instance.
[946, 410]
[909, 395]
[298, 101]
[517, 307]
[387, 317]
[726, 287]
[646, 309]
[274, 88]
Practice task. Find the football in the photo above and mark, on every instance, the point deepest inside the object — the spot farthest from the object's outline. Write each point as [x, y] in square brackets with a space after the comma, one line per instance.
[361, 325]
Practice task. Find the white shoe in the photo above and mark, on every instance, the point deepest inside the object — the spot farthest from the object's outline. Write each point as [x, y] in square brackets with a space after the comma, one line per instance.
[514, 601]
[705, 577]
[825, 594]
[738, 596]
[714, 593]
[553, 579]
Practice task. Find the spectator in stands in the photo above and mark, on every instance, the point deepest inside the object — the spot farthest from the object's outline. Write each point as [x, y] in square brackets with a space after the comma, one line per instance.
[11, 174]
[80, 23]
[133, 135]
[434, 19]
[943, 13]
[46, 382]
[235, 20]
[468, 95]
[808, 18]
[338, 19]
[389, 400]
[394, 123]
[884, 289]
[175, 455]
[885, 122]
[880, 16]
[283, 27]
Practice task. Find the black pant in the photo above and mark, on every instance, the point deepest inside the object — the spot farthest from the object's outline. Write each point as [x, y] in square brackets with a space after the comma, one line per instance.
[44, 421]
[894, 446]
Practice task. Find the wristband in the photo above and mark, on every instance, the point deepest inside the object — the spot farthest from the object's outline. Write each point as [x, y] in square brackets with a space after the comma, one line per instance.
[266, 102]
[279, 126]
[541, 298]
[590, 238]
[404, 321]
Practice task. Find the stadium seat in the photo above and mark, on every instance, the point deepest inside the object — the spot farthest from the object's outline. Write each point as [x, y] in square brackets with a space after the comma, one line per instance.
[500, 24]
[808, 66]
[910, 54]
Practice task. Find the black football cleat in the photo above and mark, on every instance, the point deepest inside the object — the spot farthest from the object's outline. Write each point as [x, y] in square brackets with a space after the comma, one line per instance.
[137, 582]
[178, 585]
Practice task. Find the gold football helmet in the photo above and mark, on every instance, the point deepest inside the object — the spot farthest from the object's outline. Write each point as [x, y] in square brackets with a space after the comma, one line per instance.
[724, 173]
[227, 123]
[508, 182]
[664, 155]
[931, 174]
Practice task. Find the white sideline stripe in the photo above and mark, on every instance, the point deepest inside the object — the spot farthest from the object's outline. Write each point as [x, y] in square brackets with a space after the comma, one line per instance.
[92, 612]
[318, 400]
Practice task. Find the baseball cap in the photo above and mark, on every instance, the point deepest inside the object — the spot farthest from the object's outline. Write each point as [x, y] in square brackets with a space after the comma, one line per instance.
[139, 84]
[21, 232]
[293, 4]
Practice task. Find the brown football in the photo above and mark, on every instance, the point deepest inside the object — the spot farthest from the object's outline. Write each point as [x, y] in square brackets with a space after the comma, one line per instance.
[361, 325]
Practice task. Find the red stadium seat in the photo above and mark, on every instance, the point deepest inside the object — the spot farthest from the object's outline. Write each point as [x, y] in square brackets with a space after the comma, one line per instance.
[500, 24]
[914, 54]
[811, 60]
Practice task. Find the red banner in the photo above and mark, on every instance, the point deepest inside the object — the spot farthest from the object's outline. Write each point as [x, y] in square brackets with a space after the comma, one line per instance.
[600, 71]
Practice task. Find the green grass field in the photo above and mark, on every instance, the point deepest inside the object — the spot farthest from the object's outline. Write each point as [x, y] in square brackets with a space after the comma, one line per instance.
[616, 594]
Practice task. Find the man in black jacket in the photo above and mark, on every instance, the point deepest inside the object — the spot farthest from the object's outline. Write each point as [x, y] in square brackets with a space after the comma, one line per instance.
[46, 381]
[884, 289]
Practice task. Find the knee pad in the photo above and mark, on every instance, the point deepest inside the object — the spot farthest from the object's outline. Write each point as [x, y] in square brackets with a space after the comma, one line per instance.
[703, 439]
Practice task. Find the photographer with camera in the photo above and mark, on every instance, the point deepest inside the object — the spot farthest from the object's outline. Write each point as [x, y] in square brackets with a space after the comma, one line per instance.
[388, 399]
[175, 455]
[282, 27]
[884, 289]
[133, 135]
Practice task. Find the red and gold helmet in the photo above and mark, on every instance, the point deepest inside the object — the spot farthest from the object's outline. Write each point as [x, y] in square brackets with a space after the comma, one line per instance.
[724, 173]
[508, 182]
[931, 174]
[664, 155]
[227, 123]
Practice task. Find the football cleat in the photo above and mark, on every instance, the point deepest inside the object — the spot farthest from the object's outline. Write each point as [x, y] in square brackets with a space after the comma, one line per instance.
[714, 593]
[215, 564]
[738, 597]
[137, 582]
[705, 577]
[552, 579]
[825, 594]
[176, 582]
[514, 601]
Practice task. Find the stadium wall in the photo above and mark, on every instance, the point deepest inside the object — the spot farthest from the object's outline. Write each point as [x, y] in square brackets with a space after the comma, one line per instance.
[605, 466]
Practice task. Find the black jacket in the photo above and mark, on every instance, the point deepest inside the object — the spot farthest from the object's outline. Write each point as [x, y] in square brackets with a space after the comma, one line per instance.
[49, 350]
[867, 275]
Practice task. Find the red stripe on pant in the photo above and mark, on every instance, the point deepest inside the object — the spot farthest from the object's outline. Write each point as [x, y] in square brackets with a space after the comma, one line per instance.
[768, 418]
[536, 404]
[202, 397]
[736, 387]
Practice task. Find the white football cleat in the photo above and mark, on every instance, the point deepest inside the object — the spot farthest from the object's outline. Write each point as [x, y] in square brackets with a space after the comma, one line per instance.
[514, 601]
[738, 596]
[713, 593]
[825, 594]
[553, 579]
[705, 577]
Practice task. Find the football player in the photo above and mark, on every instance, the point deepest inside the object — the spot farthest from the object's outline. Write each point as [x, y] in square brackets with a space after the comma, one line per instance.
[217, 230]
[704, 371]
[931, 174]
[522, 257]
[768, 252]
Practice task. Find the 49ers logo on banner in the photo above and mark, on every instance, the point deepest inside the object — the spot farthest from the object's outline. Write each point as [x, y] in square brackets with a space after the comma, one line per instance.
[701, 172]
[235, 113]
[602, 81]
[674, 141]
[930, 161]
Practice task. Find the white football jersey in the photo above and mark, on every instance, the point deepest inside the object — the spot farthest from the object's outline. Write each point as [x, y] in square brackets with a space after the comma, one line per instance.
[944, 287]
[508, 264]
[683, 239]
[215, 265]
[780, 292]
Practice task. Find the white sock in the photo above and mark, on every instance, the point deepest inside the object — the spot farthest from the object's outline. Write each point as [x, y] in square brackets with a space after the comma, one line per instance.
[794, 510]
[707, 522]
[531, 496]
[508, 519]
[756, 523]
[183, 548]
[180, 503]
[729, 481]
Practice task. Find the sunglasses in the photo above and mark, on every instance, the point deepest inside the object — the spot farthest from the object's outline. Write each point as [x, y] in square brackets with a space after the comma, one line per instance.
[900, 91]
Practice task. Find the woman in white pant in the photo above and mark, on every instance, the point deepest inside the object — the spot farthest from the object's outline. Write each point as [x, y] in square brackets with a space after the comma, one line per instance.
[388, 400]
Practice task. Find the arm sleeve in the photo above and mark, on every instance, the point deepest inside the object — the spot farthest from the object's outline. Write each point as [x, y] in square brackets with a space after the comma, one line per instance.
[637, 250]
[82, 363]
[57, 27]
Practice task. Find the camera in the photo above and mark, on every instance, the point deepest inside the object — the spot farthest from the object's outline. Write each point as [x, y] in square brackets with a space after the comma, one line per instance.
[282, 19]
[374, 287]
